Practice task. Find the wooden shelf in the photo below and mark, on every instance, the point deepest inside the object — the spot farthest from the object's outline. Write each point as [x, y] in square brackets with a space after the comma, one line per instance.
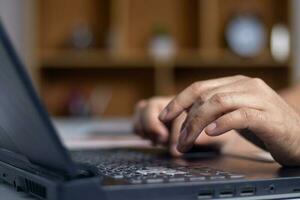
[116, 58]
[90, 59]
[226, 59]
[101, 59]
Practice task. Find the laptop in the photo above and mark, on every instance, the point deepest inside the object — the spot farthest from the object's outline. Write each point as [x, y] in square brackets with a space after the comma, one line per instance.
[33, 159]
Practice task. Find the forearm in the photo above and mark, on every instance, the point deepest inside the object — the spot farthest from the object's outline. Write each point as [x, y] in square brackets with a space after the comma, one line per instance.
[292, 96]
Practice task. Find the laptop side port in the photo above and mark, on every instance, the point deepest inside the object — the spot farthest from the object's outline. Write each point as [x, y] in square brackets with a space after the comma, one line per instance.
[36, 189]
[296, 190]
[206, 194]
[226, 193]
[247, 191]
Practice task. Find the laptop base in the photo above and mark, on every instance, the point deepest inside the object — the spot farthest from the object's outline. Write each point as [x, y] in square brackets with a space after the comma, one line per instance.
[93, 188]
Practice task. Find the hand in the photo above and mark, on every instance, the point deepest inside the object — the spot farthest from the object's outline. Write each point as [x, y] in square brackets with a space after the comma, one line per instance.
[237, 103]
[147, 125]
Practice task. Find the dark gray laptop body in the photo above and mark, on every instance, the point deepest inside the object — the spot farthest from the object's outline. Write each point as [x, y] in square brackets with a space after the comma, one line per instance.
[33, 159]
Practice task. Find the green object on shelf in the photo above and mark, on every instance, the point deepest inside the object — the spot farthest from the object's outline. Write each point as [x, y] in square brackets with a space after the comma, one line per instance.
[160, 30]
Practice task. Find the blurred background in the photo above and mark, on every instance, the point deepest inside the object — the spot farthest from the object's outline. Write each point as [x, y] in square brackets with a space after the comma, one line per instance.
[97, 58]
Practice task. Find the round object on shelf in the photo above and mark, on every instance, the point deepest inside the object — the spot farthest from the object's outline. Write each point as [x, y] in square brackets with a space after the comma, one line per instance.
[246, 35]
[82, 37]
[162, 48]
[280, 42]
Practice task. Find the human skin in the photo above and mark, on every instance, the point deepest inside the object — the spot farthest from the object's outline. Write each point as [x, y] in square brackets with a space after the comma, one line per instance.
[148, 126]
[211, 108]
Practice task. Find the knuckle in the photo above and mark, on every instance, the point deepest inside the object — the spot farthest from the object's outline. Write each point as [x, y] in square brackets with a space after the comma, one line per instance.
[259, 116]
[220, 99]
[196, 88]
[203, 97]
[226, 120]
[153, 100]
[156, 100]
[250, 115]
[239, 76]
[244, 114]
[151, 104]
[140, 104]
[258, 81]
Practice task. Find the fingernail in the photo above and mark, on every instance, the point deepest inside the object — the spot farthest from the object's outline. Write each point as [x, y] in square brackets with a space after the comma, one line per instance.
[183, 133]
[182, 138]
[211, 128]
[163, 115]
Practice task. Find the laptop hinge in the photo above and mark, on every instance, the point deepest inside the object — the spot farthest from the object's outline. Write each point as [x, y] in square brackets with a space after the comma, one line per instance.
[20, 161]
[88, 170]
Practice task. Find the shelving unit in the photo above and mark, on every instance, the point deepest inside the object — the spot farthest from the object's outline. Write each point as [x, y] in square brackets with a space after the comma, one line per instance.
[117, 60]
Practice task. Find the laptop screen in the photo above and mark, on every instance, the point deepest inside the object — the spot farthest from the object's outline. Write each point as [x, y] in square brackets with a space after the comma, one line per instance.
[24, 125]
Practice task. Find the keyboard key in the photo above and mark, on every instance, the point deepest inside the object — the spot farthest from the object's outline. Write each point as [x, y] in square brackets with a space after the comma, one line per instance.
[176, 179]
[118, 176]
[197, 178]
[236, 176]
[221, 173]
[217, 177]
[136, 181]
[157, 180]
[189, 175]
[141, 167]
[205, 174]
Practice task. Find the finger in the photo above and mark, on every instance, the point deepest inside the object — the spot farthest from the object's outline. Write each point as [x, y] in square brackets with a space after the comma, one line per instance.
[237, 86]
[137, 118]
[239, 120]
[201, 115]
[244, 118]
[144, 124]
[137, 127]
[154, 128]
[174, 134]
[188, 96]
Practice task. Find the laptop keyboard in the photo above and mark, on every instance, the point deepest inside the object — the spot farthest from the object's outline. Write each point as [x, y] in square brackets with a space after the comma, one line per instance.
[140, 167]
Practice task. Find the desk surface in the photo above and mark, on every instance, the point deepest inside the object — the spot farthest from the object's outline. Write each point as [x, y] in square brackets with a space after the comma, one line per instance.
[9, 193]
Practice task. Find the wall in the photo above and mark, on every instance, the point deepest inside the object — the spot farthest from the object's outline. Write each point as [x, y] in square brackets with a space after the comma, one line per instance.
[18, 17]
